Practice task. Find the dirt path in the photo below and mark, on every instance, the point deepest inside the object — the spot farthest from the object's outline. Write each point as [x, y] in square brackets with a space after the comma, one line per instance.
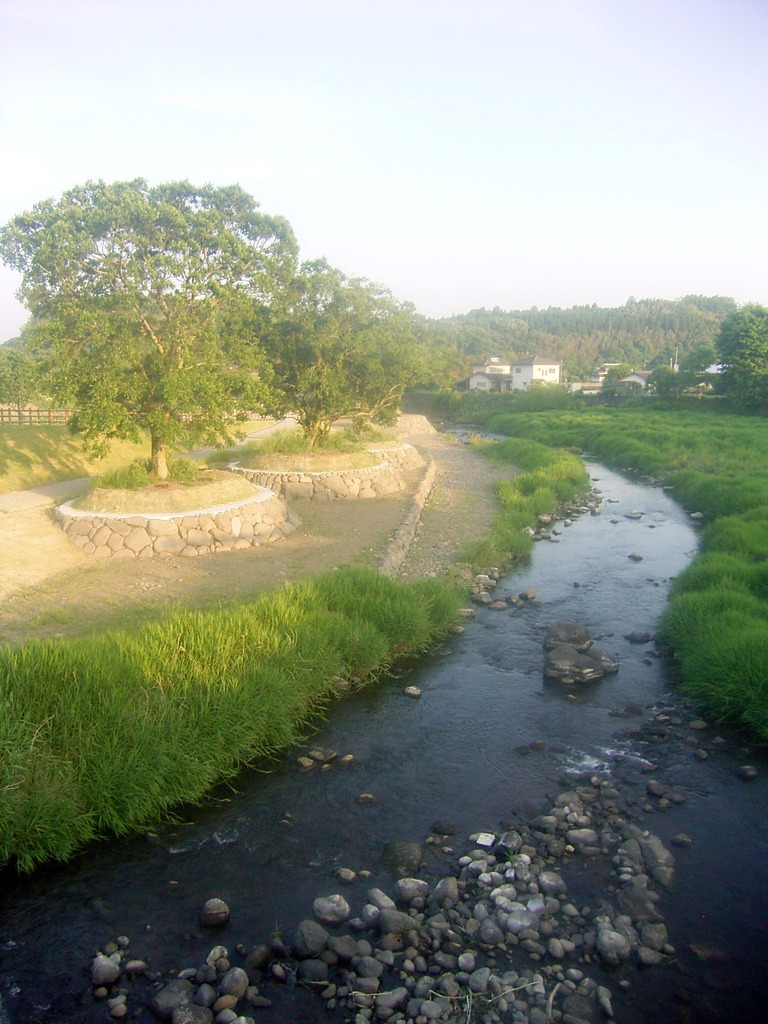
[49, 588]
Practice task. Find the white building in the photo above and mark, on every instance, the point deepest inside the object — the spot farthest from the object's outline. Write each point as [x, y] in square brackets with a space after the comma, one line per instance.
[534, 369]
[495, 375]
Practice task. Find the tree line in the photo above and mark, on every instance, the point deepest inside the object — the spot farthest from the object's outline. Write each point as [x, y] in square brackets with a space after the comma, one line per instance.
[642, 333]
[179, 311]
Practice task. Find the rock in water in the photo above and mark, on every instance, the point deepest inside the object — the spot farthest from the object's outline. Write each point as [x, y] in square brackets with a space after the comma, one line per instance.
[570, 634]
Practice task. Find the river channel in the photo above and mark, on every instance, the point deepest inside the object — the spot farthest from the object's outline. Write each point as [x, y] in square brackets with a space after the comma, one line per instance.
[486, 741]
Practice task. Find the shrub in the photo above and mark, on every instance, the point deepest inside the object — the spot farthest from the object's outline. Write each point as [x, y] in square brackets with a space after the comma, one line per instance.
[138, 474]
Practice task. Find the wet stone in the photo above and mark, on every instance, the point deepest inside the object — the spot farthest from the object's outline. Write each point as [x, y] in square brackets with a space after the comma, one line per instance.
[215, 912]
[331, 909]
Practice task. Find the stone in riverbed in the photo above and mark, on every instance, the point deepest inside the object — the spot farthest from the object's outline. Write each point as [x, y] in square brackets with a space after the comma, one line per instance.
[309, 940]
[659, 862]
[323, 755]
[409, 889]
[565, 664]
[215, 912]
[178, 992]
[395, 922]
[312, 972]
[582, 837]
[104, 971]
[637, 637]
[191, 1014]
[614, 947]
[233, 983]
[403, 857]
[331, 909]
[569, 634]
[489, 933]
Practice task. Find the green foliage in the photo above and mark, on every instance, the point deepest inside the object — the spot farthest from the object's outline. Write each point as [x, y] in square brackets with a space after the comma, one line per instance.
[666, 383]
[138, 474]
[743, 349]
[725, 570]
[135, 293]
[642, 334]
[744, 536]
[20, 376]
[478, 407]
[615, 373]
[296, 442]
[549, 478]
[106, 735]
[341, 346]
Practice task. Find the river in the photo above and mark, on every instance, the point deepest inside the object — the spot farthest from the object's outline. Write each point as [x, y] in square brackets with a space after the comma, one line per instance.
[487, 741]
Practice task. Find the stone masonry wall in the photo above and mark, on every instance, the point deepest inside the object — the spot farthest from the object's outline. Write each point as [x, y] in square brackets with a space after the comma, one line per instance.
[234, 527]
[337, 485]
[399, 545]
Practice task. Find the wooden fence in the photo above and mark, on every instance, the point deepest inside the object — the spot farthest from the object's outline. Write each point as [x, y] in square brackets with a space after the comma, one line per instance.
[14, 416]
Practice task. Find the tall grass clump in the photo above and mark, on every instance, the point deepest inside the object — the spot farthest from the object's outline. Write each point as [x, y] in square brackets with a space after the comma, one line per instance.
[138, 474]
[292, 441]
[106, 735]
[550, 478]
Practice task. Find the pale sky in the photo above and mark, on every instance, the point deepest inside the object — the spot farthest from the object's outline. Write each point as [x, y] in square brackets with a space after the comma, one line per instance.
[464, 153]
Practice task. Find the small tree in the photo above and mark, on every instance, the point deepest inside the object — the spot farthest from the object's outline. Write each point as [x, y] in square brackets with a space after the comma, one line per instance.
[666, 383]
[342, 346]
[133, 289]
[615, 374]
[743, 348]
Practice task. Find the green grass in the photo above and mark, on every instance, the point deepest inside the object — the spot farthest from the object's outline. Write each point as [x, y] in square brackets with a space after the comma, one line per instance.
[549, 478]
[32, 456]
[106, 735]
[715, 628]
[138, 474]
[292, 441]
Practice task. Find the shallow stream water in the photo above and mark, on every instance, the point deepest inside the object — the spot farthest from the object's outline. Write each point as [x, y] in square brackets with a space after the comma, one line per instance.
[487, 741]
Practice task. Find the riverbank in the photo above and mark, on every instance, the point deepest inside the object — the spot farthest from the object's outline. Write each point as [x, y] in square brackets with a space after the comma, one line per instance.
[484, 748]
[50, 589]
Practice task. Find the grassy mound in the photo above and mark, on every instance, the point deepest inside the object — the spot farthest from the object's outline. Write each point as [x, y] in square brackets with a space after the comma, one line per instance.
[287, 450]
[210, 489]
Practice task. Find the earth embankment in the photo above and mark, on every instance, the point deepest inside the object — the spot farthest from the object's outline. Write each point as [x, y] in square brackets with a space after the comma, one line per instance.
[48, 587]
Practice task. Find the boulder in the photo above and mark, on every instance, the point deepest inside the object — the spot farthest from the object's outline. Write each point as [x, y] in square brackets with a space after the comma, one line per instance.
[215, 912]
[178, 992]
[331, 909]
[310, 940]
[565, 664]
[403, 858]
[570, 634]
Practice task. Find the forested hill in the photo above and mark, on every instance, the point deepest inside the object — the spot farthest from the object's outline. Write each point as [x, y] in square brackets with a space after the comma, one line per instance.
[643, 333]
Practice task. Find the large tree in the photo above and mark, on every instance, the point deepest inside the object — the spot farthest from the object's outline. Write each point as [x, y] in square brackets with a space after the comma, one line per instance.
[342, 346]
[138, 292]
[743, 349]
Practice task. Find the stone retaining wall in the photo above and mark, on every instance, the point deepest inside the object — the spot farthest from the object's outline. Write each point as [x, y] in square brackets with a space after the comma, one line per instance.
[398, 546]
[404, 456]
[234, 527]
[338, 485]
